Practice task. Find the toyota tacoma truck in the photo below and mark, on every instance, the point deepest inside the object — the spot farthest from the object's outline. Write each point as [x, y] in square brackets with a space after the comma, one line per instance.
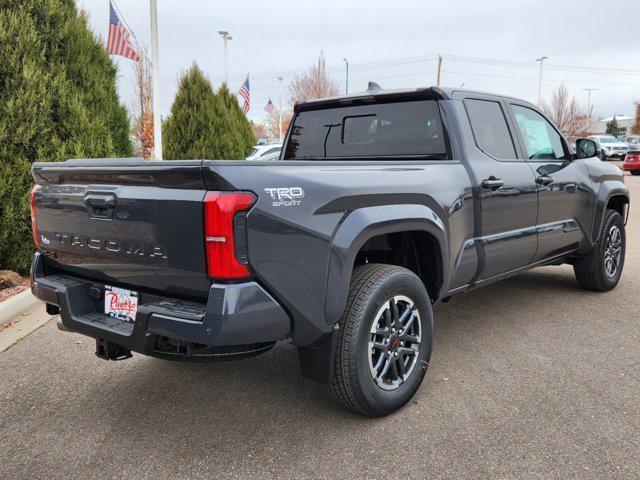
[382, 204]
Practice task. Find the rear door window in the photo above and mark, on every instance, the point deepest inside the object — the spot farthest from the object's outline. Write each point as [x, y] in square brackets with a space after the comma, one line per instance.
[384, 130]
[490, 128]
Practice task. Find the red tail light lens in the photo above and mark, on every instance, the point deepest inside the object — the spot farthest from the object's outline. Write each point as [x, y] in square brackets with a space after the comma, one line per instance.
[220, 209]
[34, 223]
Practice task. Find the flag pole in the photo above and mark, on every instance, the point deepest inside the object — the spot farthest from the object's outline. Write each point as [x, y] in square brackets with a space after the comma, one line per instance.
[157, 125]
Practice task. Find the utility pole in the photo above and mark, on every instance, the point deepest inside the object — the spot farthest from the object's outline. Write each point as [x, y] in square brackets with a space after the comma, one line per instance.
[541, 60]
[439, 70]
[280, 108]
[589, 90]
[157, 124]
[226, 36]
[346, 82]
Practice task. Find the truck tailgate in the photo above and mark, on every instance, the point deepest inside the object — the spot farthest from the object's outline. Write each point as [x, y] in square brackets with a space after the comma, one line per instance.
[124, 222]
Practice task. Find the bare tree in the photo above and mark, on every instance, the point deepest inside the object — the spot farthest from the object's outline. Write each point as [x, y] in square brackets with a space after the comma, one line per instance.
[313, 84]
[271, 123]
[142, 118]
[636, 124]
[259, 130]
[568, 115]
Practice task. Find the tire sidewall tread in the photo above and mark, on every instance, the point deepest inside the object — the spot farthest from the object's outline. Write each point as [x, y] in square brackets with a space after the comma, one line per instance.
[352, 385]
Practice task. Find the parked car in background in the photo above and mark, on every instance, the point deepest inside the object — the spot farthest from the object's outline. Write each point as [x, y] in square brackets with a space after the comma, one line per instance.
[261, 150]
[609, 146]
[633, 142]
[632, 162]
[267, 157]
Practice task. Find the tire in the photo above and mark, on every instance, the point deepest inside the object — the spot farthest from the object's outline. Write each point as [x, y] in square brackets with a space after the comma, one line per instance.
[594, 271]
[373, 291]
[603, 156]
[635, 172]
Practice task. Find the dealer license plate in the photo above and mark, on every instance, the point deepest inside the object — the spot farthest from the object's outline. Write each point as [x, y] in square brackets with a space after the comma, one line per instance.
[120, 303]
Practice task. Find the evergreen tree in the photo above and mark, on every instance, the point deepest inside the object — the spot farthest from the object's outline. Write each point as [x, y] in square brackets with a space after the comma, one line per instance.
[242, 125]
[199, 126]
[58, 100]
[612, 127]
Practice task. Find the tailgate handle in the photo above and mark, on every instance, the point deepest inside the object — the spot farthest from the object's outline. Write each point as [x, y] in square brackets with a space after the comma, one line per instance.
[100, 206]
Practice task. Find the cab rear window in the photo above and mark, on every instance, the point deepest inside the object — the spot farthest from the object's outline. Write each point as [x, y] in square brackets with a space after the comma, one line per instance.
[387, 130]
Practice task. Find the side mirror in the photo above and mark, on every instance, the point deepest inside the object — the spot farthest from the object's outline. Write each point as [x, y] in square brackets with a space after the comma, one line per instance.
[586, 148]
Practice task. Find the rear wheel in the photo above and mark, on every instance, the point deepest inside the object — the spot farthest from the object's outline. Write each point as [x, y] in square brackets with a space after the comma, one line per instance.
[635, 172]
[384, 341]
[601, 268]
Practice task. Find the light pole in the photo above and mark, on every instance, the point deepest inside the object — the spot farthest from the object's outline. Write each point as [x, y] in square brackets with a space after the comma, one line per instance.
[279, 77]
[541, 60]
[157, 125]
[346, 82]
[226, 36]
[589, 90]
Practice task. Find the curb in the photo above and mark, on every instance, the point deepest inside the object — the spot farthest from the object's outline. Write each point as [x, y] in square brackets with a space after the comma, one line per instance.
[16, 305]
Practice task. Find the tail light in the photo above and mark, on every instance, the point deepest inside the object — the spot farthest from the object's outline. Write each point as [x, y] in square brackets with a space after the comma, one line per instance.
[633, 157]
[34, 223]
[222, 222]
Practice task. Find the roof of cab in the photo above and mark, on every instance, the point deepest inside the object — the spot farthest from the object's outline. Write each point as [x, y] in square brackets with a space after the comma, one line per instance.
[375, 93]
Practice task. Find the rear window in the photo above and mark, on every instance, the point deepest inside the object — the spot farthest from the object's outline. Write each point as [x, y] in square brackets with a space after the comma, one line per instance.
[387, 130]
[490, 128]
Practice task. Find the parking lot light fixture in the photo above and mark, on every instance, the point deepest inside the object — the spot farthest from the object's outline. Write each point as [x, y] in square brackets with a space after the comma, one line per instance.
[541, 60]
[226, 36]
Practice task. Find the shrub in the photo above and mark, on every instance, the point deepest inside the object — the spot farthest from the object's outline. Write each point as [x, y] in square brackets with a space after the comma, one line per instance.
[200, 125]
[58, 99]
[241, 123]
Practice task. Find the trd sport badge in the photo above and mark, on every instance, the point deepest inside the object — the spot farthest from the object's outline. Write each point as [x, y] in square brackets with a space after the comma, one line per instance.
[285, 196]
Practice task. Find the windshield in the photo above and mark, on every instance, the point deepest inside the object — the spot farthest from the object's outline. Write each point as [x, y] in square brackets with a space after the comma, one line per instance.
[397, 129]
[608, 139]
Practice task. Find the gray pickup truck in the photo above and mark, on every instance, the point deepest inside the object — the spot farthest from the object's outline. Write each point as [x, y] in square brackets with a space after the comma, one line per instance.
[381, 204]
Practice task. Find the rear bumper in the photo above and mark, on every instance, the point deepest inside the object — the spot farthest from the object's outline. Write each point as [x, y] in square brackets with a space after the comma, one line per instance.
[235, 315]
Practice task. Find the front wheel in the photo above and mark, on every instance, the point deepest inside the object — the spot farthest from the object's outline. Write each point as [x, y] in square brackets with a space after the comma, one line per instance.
[603, 156]
[601, 268]
[384, 340]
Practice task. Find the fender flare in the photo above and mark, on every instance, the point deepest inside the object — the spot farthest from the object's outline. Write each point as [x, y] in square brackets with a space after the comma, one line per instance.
[608, 189]
[365, 223]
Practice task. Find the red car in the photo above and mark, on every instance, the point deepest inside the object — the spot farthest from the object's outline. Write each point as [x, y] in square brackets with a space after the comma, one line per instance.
[632, 163]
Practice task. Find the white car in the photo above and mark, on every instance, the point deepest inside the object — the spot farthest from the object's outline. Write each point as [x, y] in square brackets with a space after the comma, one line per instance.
[634, 143]
[261, 150]
[610, 146]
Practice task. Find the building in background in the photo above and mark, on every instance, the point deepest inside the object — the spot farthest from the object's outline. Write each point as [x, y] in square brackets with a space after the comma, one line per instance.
[625, 125]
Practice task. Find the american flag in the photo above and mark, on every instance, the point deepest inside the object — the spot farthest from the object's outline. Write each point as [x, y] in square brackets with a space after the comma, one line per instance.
[269, 107]
[118, 40]
[246, 95]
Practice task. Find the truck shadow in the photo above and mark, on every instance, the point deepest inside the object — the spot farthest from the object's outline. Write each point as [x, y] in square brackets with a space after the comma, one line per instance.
[263, 405]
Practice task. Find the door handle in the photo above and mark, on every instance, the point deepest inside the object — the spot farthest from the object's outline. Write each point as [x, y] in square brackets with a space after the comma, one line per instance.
[492, 183]
[100, 206]
[544, 180]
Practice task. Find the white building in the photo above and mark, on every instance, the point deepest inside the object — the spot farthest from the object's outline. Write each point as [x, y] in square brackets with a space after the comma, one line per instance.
[625, 125]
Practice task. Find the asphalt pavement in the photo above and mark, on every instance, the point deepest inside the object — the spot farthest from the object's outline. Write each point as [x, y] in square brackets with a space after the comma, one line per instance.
[530, 378]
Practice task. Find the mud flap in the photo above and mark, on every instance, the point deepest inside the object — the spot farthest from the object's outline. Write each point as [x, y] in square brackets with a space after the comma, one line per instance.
[317, 361]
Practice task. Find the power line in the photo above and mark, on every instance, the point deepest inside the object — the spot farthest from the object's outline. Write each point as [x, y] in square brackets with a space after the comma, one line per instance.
[421, 59]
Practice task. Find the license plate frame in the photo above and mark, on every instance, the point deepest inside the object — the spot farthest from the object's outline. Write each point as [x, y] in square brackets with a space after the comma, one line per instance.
[121, 303]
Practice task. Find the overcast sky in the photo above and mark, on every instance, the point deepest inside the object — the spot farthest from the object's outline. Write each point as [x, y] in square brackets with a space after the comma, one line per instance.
[394, 43]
